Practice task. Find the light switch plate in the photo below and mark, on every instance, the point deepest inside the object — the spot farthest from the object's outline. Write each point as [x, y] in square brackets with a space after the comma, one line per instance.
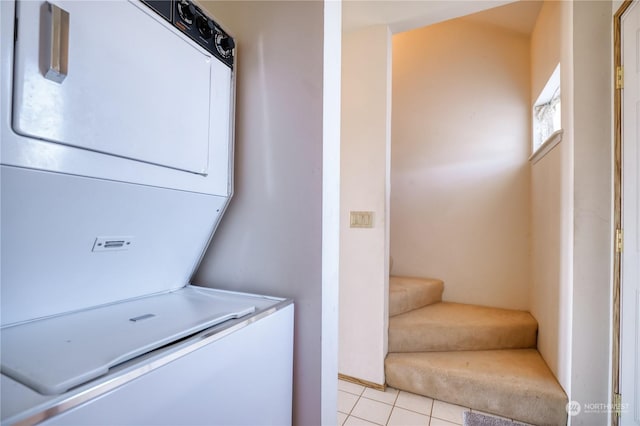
[361, 220]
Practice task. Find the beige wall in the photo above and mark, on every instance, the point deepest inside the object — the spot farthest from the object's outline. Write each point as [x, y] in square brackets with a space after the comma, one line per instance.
[460, 176]
[571, 200]
[270, 239]
[545, 46]
[551, 198]
[546, 297]
[364, 270]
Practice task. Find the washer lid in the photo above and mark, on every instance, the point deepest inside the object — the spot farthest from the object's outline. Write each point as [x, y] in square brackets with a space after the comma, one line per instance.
[55, 354]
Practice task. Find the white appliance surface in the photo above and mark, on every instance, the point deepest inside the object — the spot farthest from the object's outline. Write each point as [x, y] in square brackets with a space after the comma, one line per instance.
[50, 225]
[238, 372]
[141, 102]
[113, 181]
[115, 116]
[108, 153]
[54, 354]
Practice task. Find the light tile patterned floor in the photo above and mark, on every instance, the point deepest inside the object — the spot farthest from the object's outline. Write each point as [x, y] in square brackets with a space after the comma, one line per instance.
[358, 405]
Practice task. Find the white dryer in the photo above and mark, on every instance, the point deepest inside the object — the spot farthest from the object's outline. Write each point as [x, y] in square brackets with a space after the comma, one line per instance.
[116, 165]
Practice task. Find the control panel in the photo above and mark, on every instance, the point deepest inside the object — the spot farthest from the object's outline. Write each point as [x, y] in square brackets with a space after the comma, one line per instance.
[194, 22]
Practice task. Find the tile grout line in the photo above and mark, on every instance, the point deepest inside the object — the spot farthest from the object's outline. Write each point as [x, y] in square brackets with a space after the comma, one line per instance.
[373, 400]
[360, 418]
[354, 405]
[392, 407]
[433, 401]
[352, 393]
[414, 411]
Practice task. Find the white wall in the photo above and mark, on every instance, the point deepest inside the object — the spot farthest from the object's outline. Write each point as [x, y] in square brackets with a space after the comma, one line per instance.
[593, 237]
[572, 195]
[364, 270]
[332, 69]
[460, 176]
[270, 240]
[551, 198]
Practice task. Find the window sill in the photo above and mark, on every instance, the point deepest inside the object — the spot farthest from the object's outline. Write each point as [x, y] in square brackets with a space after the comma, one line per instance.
[546, 146]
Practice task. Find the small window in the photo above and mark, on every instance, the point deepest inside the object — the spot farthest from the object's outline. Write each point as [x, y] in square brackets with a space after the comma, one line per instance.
[547, 111]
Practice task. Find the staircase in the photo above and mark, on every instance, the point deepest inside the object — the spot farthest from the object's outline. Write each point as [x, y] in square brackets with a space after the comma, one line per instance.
[479, 357]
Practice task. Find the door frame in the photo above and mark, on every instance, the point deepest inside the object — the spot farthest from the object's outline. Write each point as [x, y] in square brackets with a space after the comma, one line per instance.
[617, 207]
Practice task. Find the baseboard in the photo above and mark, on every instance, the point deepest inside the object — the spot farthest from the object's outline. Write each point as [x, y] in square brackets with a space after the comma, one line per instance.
[362, 382]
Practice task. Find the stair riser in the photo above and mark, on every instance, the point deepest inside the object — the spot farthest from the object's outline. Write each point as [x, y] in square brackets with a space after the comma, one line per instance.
[490, 402]
[441, 339]
[498, 395]
[407, 294]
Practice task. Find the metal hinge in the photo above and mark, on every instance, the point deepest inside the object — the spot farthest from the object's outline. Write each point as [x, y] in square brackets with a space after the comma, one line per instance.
[619, 240]
[619, 77]
[617, 404]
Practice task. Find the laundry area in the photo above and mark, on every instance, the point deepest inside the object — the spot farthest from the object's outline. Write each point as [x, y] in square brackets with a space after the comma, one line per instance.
[116, 167]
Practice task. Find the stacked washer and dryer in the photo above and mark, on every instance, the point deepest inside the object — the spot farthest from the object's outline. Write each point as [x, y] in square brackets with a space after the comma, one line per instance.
[116, 167]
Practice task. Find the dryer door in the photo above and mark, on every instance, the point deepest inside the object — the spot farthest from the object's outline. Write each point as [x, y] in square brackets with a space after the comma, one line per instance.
[134, 88]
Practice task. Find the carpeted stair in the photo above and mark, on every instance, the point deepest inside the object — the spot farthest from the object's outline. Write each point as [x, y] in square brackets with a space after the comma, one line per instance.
[407, 293]
[474, 356]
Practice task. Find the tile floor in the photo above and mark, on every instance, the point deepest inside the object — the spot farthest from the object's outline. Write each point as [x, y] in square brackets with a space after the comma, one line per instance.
[359, 405]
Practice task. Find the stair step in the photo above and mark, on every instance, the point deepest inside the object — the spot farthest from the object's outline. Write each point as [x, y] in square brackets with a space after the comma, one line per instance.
[408, 293]
[457, 327]
[513, 383]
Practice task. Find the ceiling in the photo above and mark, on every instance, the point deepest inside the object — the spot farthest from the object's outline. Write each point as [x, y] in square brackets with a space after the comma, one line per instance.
[519, 16]
[405, 15]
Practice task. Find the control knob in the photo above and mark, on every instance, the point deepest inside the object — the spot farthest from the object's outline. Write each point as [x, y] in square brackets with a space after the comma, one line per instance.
[205, 27]
[187, 11]
[225, 45]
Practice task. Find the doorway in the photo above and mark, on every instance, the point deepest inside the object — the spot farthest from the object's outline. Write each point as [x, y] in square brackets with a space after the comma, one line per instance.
[627, 214]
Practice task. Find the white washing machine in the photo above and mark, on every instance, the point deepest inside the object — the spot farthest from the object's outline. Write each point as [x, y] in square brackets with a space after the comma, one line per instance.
[116, 165]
